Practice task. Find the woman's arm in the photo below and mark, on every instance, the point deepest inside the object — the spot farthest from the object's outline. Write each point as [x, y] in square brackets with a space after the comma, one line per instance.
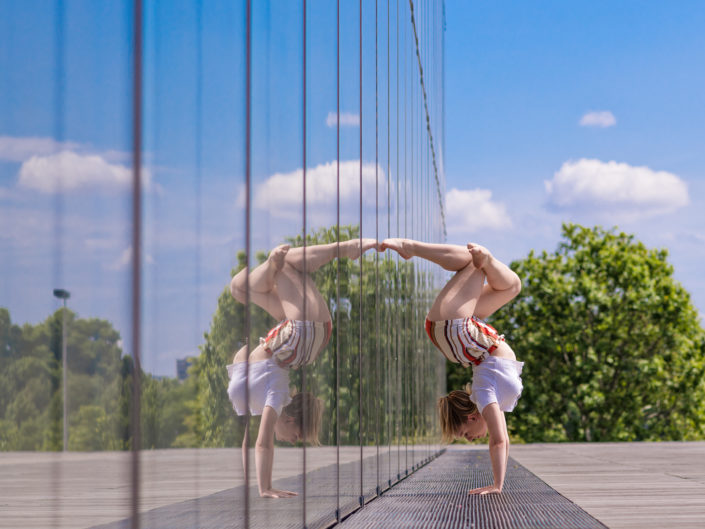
[499, 447]
[264, 456]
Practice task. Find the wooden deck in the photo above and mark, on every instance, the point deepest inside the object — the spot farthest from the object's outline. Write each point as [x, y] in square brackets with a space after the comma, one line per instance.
[624, 485]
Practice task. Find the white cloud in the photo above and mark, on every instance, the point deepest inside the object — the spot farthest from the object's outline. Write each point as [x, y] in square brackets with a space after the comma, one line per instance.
[346, 119]
[473, 210]
[603, 119]
[618, 188]
[125, 260]
[21, 149]
[282, 193]
[69, 171]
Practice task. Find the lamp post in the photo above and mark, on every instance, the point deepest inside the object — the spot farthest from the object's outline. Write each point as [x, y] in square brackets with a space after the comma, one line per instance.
[63, 295]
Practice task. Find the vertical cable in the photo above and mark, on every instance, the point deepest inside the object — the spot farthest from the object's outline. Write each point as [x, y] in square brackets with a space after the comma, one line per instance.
[337, 282]
[359, 341]
[303, 368]
[402, 217]
[387, 320]
[136, 254]
[58, 257]
[397, 399]
[198, 193]
[377, 329]
[59, 126]
[409, 283]
[248, 240]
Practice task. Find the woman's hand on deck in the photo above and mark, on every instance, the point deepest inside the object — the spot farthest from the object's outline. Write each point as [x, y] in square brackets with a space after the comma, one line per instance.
[276, 493]
[491, 489]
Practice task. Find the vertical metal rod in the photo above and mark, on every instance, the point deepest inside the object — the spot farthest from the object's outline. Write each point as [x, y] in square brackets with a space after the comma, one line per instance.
[337, 281]
[303, 368]
[377, 329]
[387, 356]
[405, 323]
[397, 399]
[58, 239]
[64, 369]
[338, 268]
[136, 254]
[198, 197]
[248, 193]
[359, 346]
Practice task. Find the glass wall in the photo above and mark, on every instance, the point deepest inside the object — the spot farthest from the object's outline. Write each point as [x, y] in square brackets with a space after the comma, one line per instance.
[195, 320]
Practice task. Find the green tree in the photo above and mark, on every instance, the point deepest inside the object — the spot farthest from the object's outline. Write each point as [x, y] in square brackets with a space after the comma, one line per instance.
[31, 405]
[164, 406]
[612, 344]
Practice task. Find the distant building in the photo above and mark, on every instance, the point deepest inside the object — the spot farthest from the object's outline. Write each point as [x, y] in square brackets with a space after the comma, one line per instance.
[182, 366]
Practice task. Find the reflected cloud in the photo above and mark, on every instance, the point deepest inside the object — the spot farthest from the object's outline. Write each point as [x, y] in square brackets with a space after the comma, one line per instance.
[51, 166]
[347, 119]
[125, 260]
[20, 149]
[69, 171]
[282, 193]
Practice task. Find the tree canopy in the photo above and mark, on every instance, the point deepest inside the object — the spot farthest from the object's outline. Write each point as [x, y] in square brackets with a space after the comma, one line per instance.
[612, 344]
[99, 386]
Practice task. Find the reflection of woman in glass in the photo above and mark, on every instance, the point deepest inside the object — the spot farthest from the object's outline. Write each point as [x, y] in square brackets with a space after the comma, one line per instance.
[455, 326]
[280, 286]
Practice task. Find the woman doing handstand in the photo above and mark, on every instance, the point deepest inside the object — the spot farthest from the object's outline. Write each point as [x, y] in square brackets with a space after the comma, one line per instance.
[454, 325]
[280, 287]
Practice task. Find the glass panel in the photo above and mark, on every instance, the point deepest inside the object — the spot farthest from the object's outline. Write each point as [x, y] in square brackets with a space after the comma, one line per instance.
[369, 206]
[348, 307]
[65, 188]
[194, 234]
[322, 234]
[363, 414]
[279, 286]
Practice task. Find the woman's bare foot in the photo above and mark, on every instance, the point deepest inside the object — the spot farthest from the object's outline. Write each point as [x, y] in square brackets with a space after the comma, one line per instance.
[401, 246]
[277, 256]
[352, 249]
[480, 255]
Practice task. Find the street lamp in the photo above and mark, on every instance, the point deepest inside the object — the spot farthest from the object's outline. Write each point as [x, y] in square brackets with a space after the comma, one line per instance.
[63, 295]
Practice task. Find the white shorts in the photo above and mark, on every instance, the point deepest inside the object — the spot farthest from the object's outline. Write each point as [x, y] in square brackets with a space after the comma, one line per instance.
[268, 383]
[497, 380]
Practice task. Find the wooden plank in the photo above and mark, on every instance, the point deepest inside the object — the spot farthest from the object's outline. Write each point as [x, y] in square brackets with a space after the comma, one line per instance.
[626, 485]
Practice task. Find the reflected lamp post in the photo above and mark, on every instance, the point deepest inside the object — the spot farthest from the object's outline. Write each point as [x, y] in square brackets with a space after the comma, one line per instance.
[63, 295]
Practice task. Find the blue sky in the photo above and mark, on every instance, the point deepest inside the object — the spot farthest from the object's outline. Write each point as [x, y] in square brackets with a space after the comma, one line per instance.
[520, 79]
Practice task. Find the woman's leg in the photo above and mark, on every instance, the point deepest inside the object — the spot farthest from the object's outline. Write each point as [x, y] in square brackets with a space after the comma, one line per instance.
[449, 256]
[262, 283]
[318, 255]
[465, 294]
[298, 293]
[299, 296]
[459, 296]
[502, 283]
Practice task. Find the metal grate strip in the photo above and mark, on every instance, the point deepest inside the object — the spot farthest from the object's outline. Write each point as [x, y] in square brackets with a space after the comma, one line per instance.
[436, 497]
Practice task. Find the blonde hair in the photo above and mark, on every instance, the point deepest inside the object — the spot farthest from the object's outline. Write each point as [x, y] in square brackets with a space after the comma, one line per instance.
[307, 411]
[453, 410]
